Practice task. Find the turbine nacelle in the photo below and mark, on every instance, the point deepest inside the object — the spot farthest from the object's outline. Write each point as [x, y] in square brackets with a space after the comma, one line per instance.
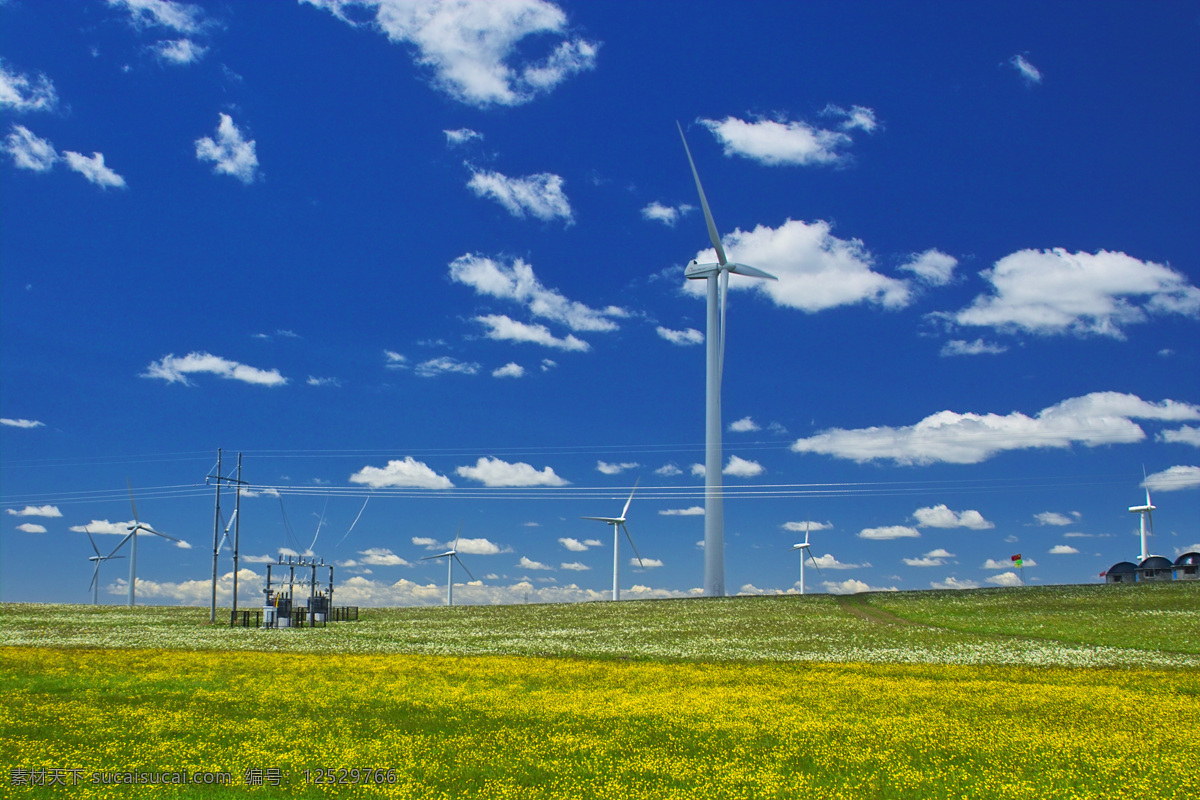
[696, 270]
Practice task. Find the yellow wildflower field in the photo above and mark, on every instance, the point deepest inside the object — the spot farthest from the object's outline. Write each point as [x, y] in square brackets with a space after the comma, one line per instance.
[524, 727]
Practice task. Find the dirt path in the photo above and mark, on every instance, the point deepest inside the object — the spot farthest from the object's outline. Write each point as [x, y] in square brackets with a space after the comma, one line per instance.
[859, 607]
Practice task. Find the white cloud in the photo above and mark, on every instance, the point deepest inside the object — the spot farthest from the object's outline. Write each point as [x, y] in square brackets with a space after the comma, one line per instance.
[933, 267]
[527, 563]
[35, 511]
[175, 370]
[103, 526]
[21, 93]
[698, 470]
[940, 516]
[574, 545]
[461, 136]
[741, 468]
[315, 381]
[1095, 419]
[1188, 434]
[406, 473]
[1054, 518]
[615, 469]
[445, 366]
[1029, 73]
[939, 553]
[574, 566]
[1056, 292]
[1062, 550]
[668, 215]
[495, 472]
[743, 425]
[816, 270]
[510, 370]
[645, 563]
[809, 525]
[687, 336]
[1005, 579]
[393, 360]
[21, 423]
[668, 471]
[540, 195]
[852, 586]
[691, 511]
[30, 151]
[505, 329]
[474, 49]
[925, 561]
[1173, 479]
[827, 561]
[859, 117]
[230, 152]
[30, 527]
[181, 17]
[889, 532]
[382, 557]
[518, 283]
[480, 547]
[993, 563]
[776, 143]
[953, 583]
[180, 51]
[961, 347]
[93, 169]
[427, 542]
[548, 364]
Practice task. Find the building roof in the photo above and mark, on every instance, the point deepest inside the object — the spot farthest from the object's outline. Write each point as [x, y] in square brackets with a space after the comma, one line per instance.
[1124, 566]
[1156, 562]
[1188, 560]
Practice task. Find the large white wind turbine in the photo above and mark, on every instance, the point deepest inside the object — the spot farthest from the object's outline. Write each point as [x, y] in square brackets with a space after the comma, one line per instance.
[717, 276]
[1147, 523]
[804, 549]
[451, 556]
[618, 524]
[132, 538]
[95, 584]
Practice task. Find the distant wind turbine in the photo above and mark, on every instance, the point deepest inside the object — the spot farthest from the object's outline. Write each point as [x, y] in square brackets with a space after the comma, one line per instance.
[804, 551]
[618, 524]
[451, 556]
[132, 538]
[95, 584]
[717, 276]
[1147, 522]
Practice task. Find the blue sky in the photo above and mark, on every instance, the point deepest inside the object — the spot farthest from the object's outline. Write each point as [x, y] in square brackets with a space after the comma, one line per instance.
[421, 263]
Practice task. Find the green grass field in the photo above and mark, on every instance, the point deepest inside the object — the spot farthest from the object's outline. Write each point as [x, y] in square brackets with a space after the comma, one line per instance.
[1038, 692]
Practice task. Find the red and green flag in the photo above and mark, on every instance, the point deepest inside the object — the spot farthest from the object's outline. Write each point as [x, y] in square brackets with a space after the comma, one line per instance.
[1017, 560]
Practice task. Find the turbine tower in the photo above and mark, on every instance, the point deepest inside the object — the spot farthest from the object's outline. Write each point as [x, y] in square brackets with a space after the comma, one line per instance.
[1147, 523]
[618, 524]
[804, 549]
[451, 556]
[717, 276]
[98, 559]
[132, 538]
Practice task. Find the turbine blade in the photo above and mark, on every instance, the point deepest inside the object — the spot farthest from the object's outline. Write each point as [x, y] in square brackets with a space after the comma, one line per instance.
[158, 533]
[631, 544]
[128, 536]
[625, 510]
[609, 520]
[131, 502]
[90, 539]
[751, 272]
[724, 298]
[708, 217]
[464, 566]
[457, 537]
[95, 576]
[814, 561]
[439, 555]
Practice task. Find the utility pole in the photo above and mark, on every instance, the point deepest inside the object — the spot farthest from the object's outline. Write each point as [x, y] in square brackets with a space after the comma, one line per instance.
[219, 479]
[216, 541]
[237, 531]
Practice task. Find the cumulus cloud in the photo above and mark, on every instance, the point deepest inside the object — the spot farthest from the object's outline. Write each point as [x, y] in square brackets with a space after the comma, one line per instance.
[827, 561]
[743, 425]
[668, 215]
[103, 526]
[30, 527]
[1061, 550]
[496, 472]
[505, 329]
[574, 545]
[698, 470]
[1095, 419]
[933, 267]
[953, 583]
[173, 369]
[517, 282]
[509, 370]
[539, 195]
[575, 566]
[34, 511]
[1005, 579]
[406, 473]
[29, 151]
[528, 563]
[394, 360]
[742, 468]
[1028, 72]
[807, 525]
[475, 51]
[480, 547]
[1188, 434]
[315, 381]
[645, 563]
[925, 561]
[993, 563]
[22, 93]
[230, 151]
[852, 586]
[21, 423]
[382, 557]
[889, 532]
[961, 347]
[940, 552]
[461, 136]
[685, 337]
[816, 270]
[1054, 518]
[782, 142]
[691, 511]
[93, 169]
[940, 516]
[1173, 479]
[445, 365]
[180, 17]
[668, 471]
[179, 51]
[1055, 292]
[615, 469]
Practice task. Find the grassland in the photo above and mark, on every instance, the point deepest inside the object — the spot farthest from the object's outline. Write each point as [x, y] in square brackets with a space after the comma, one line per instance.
[1042, 692]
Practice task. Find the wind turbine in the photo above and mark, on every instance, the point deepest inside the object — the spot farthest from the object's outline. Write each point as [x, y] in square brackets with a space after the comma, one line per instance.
[95, 584]
[717, 276]
[451, 556]
[618, 524]
[805, 550]
[1147, 522]
[132, 538]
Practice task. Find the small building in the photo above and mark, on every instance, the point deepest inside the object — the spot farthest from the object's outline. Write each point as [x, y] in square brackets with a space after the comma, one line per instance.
[1187, 567]
[1124, 572]
[1156, 568]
